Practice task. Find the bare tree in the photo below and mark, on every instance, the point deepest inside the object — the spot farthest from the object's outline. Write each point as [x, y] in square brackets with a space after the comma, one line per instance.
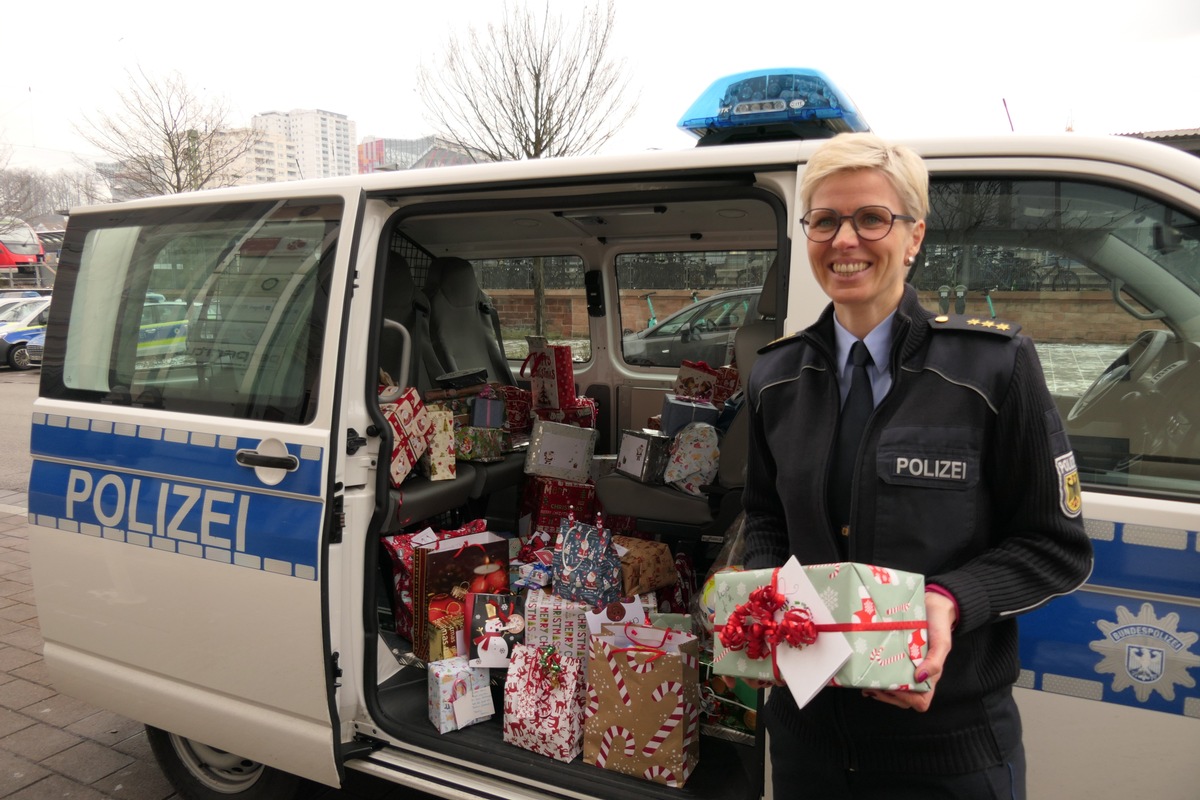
[166, 140]
[530, 87]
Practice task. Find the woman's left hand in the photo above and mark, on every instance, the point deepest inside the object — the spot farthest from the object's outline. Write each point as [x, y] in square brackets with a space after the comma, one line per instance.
[941, 615]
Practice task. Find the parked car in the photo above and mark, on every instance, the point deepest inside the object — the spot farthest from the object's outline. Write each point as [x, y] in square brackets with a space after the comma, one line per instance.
[18, 324]
[34, 348]
[702, 331]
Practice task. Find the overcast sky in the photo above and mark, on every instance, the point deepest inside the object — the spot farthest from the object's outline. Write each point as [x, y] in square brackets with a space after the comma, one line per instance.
[913, 67]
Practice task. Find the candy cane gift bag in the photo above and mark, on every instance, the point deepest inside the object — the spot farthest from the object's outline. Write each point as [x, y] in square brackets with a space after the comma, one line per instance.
[643, 705]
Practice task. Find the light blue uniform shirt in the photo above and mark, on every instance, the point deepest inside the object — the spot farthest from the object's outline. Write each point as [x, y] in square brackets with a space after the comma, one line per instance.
[879, 345]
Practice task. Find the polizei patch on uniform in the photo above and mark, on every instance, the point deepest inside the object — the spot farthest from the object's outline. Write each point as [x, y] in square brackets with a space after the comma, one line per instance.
[1070, 494]
[938, 469]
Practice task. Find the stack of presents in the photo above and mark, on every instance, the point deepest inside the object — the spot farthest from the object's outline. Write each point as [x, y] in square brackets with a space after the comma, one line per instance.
[587, 639]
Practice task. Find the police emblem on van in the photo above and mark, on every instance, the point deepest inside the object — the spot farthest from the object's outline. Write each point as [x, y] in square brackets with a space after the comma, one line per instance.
[1070, 493]
[1146, 653]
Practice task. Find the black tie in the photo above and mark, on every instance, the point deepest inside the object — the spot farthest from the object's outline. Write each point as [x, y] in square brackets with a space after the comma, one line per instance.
[855, 412]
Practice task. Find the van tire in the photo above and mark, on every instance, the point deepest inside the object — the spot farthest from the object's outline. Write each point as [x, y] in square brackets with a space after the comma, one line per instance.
[200, 772]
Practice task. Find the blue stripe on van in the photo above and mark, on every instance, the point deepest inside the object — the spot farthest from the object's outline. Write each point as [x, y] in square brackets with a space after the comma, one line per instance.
[1133, 651]
[175, 492]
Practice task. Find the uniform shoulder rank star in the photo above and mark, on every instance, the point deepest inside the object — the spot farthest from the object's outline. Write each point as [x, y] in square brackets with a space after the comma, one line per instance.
[962, 322]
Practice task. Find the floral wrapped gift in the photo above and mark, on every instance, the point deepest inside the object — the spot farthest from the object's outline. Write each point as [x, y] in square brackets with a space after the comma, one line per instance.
[458, 695]
[480, 444]
[544, 696]
[839, 624]
[438, 462]
[693, 459]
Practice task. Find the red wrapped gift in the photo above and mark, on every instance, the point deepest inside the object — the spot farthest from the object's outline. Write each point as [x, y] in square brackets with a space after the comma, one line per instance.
[410, 432]
[552, 373]
[518, 416]
[548, 501]
[581, 413]
[654, 423]
[726, 385]
[695, 379]
[677, 599]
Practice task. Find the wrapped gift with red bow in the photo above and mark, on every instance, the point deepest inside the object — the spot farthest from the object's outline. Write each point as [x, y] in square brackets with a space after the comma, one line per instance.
[843, 624]
[544, 696]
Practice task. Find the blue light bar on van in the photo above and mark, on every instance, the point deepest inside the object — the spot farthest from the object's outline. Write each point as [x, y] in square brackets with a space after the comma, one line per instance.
[771, 104]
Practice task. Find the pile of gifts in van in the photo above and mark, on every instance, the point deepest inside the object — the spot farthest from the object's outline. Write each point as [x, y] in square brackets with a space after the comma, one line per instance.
[588, 639]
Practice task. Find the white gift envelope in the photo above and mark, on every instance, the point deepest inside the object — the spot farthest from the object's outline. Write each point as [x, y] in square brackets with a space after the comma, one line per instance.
[807, 670]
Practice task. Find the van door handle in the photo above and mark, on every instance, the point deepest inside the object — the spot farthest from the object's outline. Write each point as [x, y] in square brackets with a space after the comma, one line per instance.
[253, 458]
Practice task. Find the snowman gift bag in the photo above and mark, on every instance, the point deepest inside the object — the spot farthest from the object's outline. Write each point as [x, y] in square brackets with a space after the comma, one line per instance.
[496, 623]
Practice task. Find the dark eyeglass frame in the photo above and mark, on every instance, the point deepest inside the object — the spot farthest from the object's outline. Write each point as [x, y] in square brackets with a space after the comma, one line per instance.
[867, 236]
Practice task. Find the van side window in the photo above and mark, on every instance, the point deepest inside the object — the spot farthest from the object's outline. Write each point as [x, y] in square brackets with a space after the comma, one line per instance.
[509, 282]
[228, 322]
[686, 306]
[1107, 283]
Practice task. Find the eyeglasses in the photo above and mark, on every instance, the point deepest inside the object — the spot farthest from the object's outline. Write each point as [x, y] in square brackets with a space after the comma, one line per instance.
[871, 223]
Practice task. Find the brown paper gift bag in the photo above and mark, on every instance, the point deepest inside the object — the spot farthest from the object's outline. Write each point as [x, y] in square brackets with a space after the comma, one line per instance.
[642, 717]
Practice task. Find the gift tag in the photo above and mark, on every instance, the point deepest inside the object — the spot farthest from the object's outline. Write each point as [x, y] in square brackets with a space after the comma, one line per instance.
[807, 670]
[472, 706]
[426, 536]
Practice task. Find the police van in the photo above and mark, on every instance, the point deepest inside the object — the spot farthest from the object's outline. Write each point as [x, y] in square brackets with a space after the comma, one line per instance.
[206, 519]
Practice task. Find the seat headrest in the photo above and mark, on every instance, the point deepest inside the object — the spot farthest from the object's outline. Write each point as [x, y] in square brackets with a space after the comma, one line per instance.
[766, 301]
[399, 290]
[454, 279]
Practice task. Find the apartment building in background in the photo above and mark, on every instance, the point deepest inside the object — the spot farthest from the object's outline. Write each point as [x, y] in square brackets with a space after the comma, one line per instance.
[379, 155]
[320, 144]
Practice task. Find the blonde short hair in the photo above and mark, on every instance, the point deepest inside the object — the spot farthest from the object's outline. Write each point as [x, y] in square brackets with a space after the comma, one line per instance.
[848, 152]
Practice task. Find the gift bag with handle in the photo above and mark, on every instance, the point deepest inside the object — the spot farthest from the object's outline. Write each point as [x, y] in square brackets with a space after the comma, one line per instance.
[587, 568]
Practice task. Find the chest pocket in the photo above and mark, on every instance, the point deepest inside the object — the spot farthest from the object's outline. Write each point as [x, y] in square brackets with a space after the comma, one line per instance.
[942, 458]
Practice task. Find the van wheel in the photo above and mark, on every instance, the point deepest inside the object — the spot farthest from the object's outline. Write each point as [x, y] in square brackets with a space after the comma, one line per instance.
[18, 357]
[200, 772]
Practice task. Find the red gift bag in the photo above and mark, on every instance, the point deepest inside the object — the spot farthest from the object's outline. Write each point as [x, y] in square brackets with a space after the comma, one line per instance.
[552, 373]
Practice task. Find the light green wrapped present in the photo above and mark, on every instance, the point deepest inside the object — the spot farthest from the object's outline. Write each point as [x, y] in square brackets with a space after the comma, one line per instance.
[870, 599]
[879, 613]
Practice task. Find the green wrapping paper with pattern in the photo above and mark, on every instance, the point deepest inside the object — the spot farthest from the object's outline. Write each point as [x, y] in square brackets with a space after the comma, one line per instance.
[879, 612]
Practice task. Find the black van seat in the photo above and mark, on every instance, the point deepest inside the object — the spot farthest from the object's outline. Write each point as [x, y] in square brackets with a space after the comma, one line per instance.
[462, 322]
[419, 498]
[403, 303]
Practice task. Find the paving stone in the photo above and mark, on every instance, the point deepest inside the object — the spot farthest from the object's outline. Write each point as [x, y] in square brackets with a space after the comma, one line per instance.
[138, 781]
[39, 741]
[8, 587]
[59, 709]
[17, 694]
[11, 721]
[17, 773]
[36, 672]
[87, 762]
[56, 786]
[27, 638]
[15, 657]
[106, 727]
[18, 612]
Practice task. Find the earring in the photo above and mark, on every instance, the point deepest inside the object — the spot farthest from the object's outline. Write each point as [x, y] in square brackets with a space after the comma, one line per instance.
[908, 262]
